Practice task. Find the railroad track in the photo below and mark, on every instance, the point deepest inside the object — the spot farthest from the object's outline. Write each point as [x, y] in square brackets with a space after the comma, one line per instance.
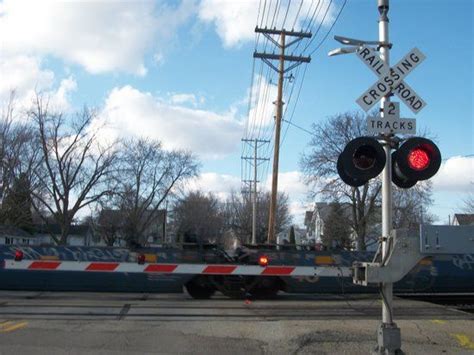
[179, 307]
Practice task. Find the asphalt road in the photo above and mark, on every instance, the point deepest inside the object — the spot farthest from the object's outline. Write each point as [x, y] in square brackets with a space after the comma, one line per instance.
[112, 323]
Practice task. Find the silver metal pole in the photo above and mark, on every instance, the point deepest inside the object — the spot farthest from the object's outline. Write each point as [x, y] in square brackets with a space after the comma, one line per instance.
[387, 288]
[388, 335]
[254, 204]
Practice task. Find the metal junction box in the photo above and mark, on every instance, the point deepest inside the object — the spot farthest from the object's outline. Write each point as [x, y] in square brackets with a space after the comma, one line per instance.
[436, 240]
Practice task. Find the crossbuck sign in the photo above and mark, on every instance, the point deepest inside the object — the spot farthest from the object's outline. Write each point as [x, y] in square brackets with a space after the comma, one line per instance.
[391, 79]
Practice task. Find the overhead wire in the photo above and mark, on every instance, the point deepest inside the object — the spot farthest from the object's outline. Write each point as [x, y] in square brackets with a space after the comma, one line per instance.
[315, 34]
[330, 29]
[258, 125]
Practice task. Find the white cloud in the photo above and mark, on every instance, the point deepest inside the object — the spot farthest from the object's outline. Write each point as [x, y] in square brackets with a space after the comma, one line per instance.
[220, 185]
[129, 111]
[22, 73]
[183, 99]
[101, 36]
[298, 210]
[290, 182]
[262, 109]
[235, 21]
[25, 76]
[455, 174]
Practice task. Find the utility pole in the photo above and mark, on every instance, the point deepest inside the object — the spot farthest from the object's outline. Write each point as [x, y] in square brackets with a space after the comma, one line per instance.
[281, 70]
[253, 186]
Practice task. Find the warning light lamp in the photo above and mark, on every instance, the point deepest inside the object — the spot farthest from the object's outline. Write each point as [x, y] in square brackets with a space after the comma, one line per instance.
[362, 159]
[417, 159]
[141, 259]
[263, 260]
[18, 255]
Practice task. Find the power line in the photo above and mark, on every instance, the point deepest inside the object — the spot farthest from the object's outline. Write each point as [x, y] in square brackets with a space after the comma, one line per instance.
[299, 127]
[330, 29]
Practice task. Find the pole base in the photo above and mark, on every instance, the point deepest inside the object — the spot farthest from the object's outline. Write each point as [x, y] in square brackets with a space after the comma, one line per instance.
[389, 341]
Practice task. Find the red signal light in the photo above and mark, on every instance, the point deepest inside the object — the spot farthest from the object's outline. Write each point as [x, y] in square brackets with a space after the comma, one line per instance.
[418, 159]
[263, 260]
[18, 255]
[141, 259]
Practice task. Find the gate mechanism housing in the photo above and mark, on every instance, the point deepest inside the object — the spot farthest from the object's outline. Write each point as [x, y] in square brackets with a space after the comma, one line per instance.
[409, 247]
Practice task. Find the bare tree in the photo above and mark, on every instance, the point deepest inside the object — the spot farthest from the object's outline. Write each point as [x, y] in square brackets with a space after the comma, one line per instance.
[107, 224]
[146, 176]
[238, 215]
[469, 202]
[319, 167]
[19, 159]
[410, 206]
[75, 166]
[198, 217]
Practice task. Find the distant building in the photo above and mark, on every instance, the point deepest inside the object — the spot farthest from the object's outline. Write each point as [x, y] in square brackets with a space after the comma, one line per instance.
[308, 223]
[315, 223]
[79, 235]
[10, 235]
[284, 236]
[463, 219]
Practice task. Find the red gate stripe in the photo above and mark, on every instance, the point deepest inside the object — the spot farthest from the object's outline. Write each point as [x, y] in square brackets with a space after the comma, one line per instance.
[102, 266]
[160, 268]
[219, 269]
[277, 270]
[44, 265]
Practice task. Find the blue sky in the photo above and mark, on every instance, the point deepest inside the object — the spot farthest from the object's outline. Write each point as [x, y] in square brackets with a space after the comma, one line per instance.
[181, 72]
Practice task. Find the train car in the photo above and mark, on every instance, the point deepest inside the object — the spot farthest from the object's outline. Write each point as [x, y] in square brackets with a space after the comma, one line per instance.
[206, 269]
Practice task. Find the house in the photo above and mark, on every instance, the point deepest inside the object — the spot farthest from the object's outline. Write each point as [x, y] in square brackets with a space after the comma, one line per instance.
[284, 236]
[79, 235]
[308, 218]
[463, 219]
[315, 223]
[10, 235]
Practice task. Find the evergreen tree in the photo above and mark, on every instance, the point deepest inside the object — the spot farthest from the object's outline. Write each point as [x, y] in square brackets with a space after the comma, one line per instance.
[292, 235]
[336, 228]
[17, 205]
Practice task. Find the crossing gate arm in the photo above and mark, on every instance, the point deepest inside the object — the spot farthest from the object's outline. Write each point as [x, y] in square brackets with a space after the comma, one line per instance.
[201, 269]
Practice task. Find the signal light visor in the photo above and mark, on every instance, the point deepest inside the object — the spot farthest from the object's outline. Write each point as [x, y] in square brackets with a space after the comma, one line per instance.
[362, 159]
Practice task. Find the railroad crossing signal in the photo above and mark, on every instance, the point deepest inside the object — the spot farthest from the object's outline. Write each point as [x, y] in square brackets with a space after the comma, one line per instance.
[390, 79]
[363, 159]
[417, 159]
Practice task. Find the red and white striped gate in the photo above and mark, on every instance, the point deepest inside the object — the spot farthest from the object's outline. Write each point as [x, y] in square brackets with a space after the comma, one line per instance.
[163, 268]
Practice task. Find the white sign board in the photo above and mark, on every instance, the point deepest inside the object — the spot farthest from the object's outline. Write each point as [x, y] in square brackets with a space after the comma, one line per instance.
[391, 121]
[386, 125]
[390, 79]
